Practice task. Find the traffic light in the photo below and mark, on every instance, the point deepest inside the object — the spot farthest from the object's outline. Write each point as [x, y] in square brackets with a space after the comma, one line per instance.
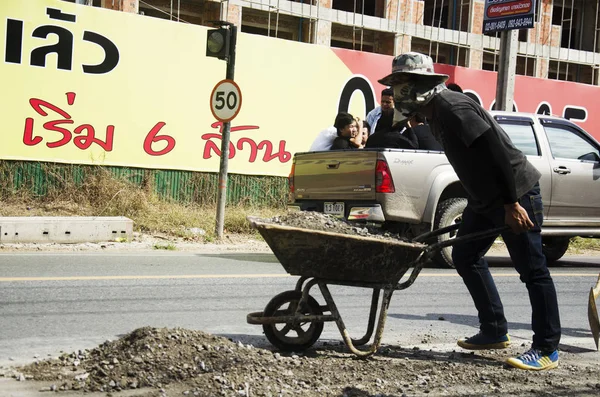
[217, 43]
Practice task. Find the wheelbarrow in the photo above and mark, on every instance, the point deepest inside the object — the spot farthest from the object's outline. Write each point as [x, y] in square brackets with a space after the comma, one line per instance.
[294, 320]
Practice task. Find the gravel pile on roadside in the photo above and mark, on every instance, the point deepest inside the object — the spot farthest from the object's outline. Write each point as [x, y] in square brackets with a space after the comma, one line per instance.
[329, 223]
[160, 362]
[155, 358]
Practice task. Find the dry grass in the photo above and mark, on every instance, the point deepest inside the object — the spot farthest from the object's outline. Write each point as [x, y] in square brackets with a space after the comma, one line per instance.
[100, 193]
[581, 245]
[157, 216]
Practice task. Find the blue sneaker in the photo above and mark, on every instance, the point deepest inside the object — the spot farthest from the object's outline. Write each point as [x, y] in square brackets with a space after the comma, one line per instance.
[535, 360]
[481, 341]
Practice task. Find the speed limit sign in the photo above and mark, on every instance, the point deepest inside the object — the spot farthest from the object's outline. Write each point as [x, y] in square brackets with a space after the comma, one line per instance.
[225, 100]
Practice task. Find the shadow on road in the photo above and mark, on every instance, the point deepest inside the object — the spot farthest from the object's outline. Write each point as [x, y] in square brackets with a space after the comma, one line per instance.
[336, 348]
[244, 257]
[472, 320]
[493, 260]
[567, 261]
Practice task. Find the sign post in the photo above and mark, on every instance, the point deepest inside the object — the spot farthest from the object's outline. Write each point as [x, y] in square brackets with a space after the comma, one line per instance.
[505, 16]
[505, 83]
[225, 102]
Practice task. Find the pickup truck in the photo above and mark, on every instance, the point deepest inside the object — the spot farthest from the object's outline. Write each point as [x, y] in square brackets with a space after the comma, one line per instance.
[414, 191]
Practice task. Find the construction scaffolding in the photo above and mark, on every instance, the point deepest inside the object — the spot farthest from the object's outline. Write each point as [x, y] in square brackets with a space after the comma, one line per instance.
[558, 47]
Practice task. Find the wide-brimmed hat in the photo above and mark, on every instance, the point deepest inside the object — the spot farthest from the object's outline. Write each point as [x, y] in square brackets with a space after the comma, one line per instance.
[410, 66]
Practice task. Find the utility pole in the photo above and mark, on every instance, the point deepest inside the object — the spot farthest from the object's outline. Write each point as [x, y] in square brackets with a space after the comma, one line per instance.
[505, 84]
[225, 103]
[507, 17]
[224, 163]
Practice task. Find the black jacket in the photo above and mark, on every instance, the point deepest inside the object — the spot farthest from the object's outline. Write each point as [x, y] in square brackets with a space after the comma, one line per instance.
[393, 139]
[341, 143]
[426, 139]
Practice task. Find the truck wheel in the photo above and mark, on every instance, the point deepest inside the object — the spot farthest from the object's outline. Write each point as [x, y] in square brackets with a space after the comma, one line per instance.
[554, 248]
[448, 213]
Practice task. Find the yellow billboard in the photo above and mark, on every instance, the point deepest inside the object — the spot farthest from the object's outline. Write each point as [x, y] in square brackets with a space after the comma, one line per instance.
[89, 85]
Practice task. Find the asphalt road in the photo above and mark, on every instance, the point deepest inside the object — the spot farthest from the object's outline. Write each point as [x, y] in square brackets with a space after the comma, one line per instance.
[53, 302]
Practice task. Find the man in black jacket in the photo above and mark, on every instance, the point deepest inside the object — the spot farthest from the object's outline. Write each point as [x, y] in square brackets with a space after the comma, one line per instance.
[503, 189]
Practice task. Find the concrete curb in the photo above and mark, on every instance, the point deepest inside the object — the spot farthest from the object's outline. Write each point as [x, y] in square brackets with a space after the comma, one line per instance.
[65, 229]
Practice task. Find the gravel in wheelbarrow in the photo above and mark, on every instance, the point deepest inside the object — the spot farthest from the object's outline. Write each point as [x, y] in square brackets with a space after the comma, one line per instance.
[312, 244]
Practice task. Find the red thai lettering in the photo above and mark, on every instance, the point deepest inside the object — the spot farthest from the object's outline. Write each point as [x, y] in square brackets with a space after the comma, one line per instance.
[212, 146]
[268, 146]
[153, 137]
[37, 104]
[28, 138]
[282, 155]
[28, 135]
[66, 134]
[83, 142]
[220, 125]
[253, 148]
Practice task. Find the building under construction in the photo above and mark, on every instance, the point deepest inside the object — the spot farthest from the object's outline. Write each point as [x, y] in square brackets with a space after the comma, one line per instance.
[564, 43]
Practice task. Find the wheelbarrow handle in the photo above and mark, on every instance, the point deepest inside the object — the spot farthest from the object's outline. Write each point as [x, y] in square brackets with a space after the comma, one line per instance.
[433, 248]
[437, 232]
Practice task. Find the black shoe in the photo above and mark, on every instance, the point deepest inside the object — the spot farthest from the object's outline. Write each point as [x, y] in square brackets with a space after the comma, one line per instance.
[481, 341]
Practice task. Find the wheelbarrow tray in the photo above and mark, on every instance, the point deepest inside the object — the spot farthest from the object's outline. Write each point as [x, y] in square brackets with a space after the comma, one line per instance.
[336, 256]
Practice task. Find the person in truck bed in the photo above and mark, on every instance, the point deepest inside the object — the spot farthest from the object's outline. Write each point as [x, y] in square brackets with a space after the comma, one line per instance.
[341, 127]
[380, 118]
[503, 189]
[347, 129]
[359, 141]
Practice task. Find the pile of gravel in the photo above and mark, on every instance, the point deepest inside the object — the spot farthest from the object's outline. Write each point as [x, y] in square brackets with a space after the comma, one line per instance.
[326, 222]
[153, 357]
[153, 362]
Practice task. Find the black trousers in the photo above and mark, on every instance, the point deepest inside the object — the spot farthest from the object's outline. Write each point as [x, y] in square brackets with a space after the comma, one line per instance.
[525, 250]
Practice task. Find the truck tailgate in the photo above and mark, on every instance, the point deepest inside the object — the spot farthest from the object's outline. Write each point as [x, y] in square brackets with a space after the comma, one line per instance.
[333, 175]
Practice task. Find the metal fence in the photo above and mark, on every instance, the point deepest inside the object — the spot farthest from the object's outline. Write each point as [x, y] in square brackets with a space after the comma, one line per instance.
[39, 179]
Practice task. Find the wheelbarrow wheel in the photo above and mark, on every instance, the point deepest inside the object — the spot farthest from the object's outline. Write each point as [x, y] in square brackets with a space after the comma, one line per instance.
[292, 337]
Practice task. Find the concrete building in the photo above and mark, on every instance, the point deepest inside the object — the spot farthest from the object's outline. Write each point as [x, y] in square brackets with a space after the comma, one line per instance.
[564, 43]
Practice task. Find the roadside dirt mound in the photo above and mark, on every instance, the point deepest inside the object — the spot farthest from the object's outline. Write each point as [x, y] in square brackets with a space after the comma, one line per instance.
[152, 357]
[330, 223]
[174, 362]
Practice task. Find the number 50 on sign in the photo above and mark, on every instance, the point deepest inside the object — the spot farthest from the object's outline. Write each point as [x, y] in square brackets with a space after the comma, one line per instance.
[225, 100]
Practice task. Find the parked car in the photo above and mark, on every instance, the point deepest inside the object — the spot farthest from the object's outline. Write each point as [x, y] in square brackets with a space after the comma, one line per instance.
[414, 191]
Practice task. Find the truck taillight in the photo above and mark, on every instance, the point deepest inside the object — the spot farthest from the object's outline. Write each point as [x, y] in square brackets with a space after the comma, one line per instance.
[291, 179]
[383, 178]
